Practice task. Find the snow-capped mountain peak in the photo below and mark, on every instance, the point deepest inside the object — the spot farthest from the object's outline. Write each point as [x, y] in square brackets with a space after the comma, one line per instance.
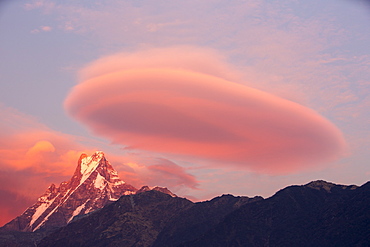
[94, 184]
[89, 163]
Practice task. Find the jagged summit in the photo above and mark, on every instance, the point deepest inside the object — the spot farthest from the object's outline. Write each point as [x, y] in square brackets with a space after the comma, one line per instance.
[157, 188]
[94, 184]
[328, 186]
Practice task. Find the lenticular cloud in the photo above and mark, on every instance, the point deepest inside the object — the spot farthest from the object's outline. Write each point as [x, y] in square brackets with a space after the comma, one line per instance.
[182, 101]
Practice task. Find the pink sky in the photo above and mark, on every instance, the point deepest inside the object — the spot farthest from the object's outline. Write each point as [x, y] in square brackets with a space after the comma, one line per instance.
[204, 98]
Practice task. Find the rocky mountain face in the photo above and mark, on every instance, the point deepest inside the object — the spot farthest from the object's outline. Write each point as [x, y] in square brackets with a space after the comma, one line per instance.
[316, 214]
[96, 208]
[192, 223]
[150, 218]
[93, 185]
[134, 220]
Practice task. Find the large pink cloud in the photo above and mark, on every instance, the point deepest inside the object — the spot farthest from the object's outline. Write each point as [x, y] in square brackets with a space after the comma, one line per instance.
[181, 101]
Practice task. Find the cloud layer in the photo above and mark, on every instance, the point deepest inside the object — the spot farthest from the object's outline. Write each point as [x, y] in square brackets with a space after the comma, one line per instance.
[182, 101]
[156, 172]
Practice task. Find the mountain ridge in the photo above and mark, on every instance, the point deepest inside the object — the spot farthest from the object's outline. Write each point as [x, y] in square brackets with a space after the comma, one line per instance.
[94, 184]
[318, 213]
[96, 208]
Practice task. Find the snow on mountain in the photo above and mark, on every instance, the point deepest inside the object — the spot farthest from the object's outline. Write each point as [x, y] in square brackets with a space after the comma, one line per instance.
[94, 184]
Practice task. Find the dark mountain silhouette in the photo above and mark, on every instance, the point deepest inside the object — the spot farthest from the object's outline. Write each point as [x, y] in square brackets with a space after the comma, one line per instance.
[96, 208]
[132, 221]
[316, 214]
[200, 218]
[137, 220]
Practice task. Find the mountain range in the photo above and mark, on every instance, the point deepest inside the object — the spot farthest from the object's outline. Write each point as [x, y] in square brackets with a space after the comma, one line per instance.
[94, 184]
[96, 208]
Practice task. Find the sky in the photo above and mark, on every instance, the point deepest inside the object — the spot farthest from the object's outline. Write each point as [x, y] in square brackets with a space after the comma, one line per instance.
[203, 97]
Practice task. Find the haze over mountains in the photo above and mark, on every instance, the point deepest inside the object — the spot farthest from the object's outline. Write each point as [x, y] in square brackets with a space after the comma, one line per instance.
[96, 208]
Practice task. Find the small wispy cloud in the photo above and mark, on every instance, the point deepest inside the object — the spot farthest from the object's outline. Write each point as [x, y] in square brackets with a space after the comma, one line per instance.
[46, 28]
[46, 6]
[67, 26]
[34, 5]
[42, 29]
